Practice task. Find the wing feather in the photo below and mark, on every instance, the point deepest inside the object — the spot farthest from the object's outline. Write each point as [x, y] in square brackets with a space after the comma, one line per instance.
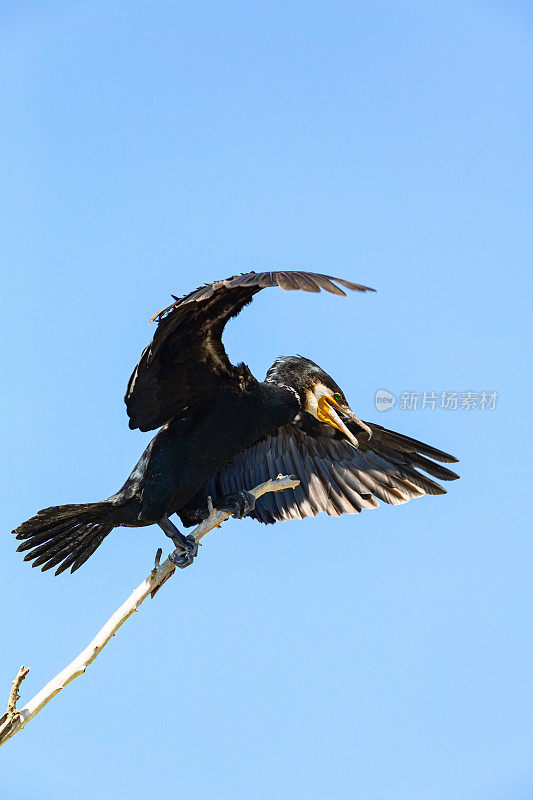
[186, 363]
[334, 476]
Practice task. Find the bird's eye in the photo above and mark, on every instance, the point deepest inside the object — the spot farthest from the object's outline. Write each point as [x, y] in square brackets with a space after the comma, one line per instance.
[337, 397]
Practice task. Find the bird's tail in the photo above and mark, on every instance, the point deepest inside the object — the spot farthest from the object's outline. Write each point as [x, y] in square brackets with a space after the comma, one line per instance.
[65, 535]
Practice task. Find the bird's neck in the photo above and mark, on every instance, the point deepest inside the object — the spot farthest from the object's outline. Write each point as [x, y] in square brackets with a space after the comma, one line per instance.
[283, 397]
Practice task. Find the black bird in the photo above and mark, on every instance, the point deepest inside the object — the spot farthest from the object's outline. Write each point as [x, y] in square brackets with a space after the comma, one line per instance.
[223, 432]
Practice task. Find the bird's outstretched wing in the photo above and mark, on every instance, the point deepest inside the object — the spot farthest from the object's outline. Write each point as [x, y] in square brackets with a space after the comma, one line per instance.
[186, 361]
[335, 477]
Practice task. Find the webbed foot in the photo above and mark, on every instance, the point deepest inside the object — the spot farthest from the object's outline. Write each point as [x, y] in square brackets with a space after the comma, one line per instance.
[186, 546]
[185, 552]
[238, 505]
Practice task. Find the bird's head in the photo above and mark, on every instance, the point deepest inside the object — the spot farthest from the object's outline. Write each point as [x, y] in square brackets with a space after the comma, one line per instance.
[319, 394]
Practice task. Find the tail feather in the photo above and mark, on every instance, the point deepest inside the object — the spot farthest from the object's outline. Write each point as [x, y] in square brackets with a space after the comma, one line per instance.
[64, 536]
[40, 538]
[81, 557]
[49, 548]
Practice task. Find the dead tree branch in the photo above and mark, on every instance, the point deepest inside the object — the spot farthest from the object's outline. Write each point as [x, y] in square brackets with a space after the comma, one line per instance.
[15, 719]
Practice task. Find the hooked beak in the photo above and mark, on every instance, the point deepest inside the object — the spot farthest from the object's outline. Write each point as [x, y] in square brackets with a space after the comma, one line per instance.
[328, 407]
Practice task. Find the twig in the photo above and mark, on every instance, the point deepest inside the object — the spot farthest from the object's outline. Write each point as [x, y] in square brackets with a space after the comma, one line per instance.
[15, 719]
[11, 718]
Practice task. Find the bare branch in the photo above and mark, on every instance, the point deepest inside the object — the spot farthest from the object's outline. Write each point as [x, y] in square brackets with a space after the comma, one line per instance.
[11, 719]
[15, 719]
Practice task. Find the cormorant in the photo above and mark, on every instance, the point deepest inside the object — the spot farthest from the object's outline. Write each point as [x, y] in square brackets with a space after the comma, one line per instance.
[223, 432]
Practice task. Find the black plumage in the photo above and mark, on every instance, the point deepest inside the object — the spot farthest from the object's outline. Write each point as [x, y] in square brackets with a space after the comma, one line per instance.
[186, 361]
[334, 476]
[223, 432]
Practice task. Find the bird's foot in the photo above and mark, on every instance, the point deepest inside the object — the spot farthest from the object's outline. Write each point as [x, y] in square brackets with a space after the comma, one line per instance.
[238, 505]
[186, 546]
[185, 552]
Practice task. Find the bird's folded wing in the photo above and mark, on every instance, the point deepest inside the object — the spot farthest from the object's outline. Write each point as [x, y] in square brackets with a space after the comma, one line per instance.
[334, 476]
[186, 361]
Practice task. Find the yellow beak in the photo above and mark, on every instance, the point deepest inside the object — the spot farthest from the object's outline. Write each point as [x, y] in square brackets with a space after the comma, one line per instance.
[326, 413]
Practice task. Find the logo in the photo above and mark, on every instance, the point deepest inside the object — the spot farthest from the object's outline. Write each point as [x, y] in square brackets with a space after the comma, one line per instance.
[384, 400]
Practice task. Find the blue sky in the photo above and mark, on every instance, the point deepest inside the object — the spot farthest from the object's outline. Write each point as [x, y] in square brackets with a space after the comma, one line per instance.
[149, 147]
